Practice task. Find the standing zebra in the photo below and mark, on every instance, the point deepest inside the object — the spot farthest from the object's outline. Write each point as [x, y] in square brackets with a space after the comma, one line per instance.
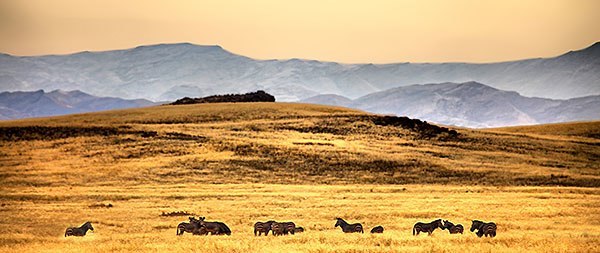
[484, 228]
[262, 227]
[79, 231]
[215, 227]
[427, 227]
[453, 229]
[349, 228]
[283, 228]
[192, 227]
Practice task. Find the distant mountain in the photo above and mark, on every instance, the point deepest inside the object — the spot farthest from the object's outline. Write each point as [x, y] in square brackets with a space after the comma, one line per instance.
[329, 99]
[469, 104]
[16, 105]
[171, 71]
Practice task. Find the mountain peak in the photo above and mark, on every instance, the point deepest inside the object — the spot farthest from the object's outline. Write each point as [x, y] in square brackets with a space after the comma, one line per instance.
[25, 104]
[593, 49]
[178, 45]
[595, 45]
[475, 84]
[69, 93]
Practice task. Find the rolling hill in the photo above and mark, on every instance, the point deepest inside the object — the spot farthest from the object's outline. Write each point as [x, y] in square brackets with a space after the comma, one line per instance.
[285, 143]
[170, 71]
[15, 105]
[469, 104]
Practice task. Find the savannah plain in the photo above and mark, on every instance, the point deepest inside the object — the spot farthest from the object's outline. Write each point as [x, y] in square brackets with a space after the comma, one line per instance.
[242, 163]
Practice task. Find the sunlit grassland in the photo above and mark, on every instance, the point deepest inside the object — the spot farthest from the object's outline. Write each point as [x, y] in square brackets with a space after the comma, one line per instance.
[242, 163]
[529, 218]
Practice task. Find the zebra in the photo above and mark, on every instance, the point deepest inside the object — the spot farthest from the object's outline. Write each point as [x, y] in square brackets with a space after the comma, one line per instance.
[299, 230]
[378, 229]
[453, 229]
[349, 228]
[262, 227]
[283, 228]
[484, 228]
[191, 227]
[214, 227]
[427, 227]
[79, 231]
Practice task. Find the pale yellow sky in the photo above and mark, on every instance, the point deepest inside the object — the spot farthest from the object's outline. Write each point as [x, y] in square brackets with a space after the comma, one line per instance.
[377, 31]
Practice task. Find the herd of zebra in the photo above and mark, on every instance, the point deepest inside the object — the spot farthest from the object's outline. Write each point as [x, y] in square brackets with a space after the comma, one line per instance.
[201, 227]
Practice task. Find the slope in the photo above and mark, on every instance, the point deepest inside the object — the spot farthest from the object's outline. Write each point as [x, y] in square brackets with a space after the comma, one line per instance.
[280, 143]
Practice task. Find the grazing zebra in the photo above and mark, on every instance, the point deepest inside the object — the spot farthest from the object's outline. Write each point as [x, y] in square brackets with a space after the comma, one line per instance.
[299, 230]
[278, 228]
[215, 227]
[453, 229]
[427, 227]
[349, 228]
[262, 227]
[198, 228]
[484, 228]
[378, 229]
[192, 227]
[283, 228]
[79, 231]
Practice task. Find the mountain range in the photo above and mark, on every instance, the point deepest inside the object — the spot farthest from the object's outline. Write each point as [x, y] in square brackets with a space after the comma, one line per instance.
[468, 104]
[16, 105]
[532, 91]
[171, 71]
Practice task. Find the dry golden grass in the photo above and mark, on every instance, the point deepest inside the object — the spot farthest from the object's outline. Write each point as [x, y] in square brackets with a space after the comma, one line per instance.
[529, 218]
[241, 163]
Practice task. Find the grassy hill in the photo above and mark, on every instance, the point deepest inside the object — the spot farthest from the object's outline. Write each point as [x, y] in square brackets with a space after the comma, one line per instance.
[287, 143]
[242, 163]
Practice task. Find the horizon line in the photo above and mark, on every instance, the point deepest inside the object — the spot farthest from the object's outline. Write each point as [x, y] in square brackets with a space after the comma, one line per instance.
[597, 43]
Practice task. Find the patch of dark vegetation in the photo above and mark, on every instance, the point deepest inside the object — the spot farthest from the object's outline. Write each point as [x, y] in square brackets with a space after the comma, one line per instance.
[161, 227]
[148, 134]
[258, 96]
[184, 137]
[27, 133]
[424, 129]
[313, 143]
[553, 164]
[107, 223]
[101, 205]
[438, 154]
[347, 125]
[557, 180]
[148, 151]
[176, 214]
[592, 135]
[119, 141]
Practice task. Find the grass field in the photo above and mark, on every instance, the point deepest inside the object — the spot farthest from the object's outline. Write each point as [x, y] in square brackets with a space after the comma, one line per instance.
[242, 163]
[529, 218]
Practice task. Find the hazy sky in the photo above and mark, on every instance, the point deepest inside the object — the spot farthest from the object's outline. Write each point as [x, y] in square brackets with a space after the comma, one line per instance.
[346, 31]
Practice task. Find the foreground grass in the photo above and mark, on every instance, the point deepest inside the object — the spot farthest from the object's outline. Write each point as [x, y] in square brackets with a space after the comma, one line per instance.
[532, 219]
